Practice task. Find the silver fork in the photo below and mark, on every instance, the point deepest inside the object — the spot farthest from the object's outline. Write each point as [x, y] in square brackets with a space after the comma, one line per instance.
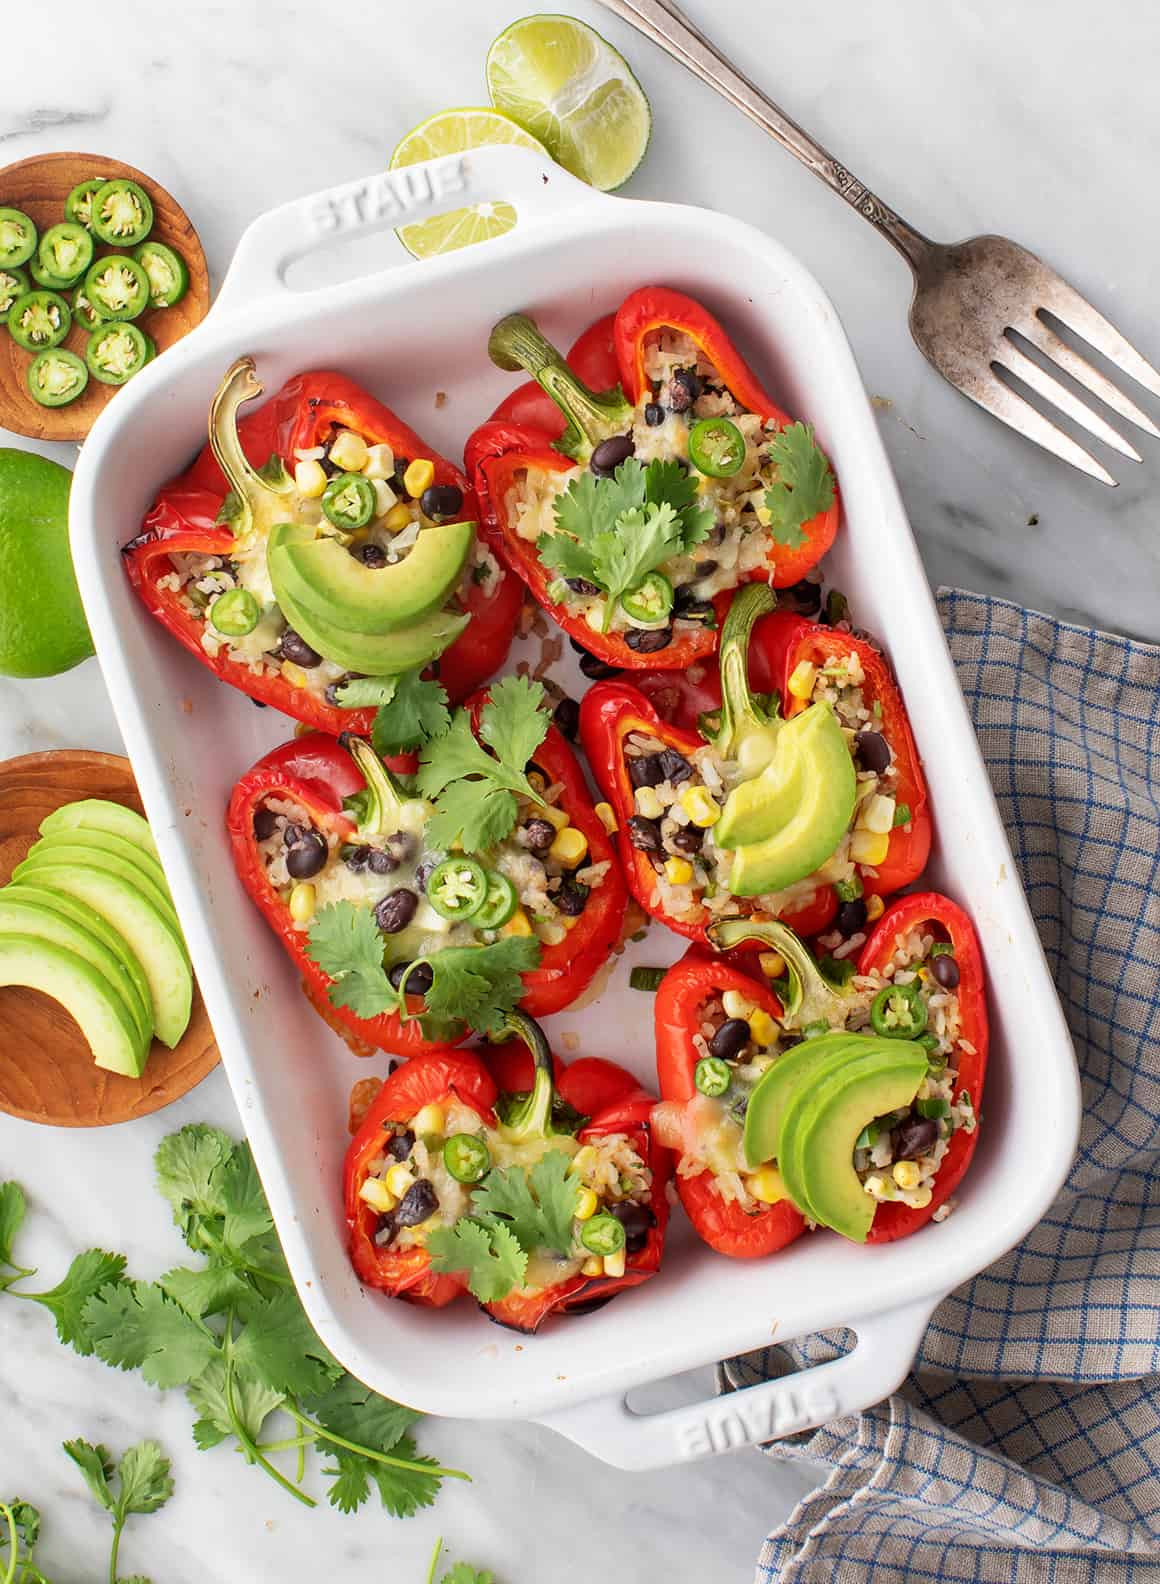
[972, 300]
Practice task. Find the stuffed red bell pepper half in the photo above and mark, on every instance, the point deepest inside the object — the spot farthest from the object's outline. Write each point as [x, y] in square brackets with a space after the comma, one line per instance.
[662, 495]
[781, 815]
[867, 1117]
[318, 542]
[419, 907]
[535, 1186]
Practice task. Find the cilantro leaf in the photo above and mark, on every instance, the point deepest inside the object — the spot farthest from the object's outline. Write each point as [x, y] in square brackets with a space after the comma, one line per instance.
[536, 1205]
[253, 1404]
[478, 985]
[403, 1491]
[474, 814]
[96, 1464]
[473, 791]
[464, 1573]
[345, 942]
[490, 1254]
[26, 1522]
[135, 1326]
[350, 1481]
[12, 1209]
[247, 1214]
[187, 1164]
[353, 1411]
[203, 1292]
[513, 723]
[804, 487]
[411, 710]
[278, 1346]
[146, 1483]
[86, 1276]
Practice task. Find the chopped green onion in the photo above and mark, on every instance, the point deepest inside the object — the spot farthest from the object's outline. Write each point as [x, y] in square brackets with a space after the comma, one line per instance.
[902, 815]
[848, 890]
[933, 1108]
[646, 979]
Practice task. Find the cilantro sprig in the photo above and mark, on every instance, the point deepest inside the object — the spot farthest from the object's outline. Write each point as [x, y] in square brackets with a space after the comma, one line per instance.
[472, 985]
[231, 1331]
[410, 710]
[475, 791]
[460, 1573]
[804, 487]
[139, 1483]
[614, 531]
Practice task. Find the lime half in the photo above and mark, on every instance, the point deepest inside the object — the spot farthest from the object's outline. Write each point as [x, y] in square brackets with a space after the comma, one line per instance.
[454, 132]
[567, 86]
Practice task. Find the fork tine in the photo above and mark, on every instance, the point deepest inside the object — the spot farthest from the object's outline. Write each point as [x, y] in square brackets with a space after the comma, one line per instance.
[1047, 386]
[1014, 410]
[1084, 373]
[1076, 312]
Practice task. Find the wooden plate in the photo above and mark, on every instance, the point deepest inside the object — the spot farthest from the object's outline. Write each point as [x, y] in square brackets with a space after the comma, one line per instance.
[40, 186]
[47, 1073]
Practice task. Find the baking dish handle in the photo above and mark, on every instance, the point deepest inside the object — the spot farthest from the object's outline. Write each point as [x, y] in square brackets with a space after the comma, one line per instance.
[609, 1429]
[538, 189]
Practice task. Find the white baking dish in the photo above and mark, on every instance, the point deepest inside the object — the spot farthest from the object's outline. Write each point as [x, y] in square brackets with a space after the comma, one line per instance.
[407, 333]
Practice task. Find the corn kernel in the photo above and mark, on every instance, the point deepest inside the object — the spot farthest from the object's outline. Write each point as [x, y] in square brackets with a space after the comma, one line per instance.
[679, 871]
[878, 1187]
[518, 924]
[399, 1179]
[586, 1202]
[294, 674]
[380, 462]
[802, 678]
[762, 1027]
[349, 452]
[868, 847]
[906, 1173]
[875, 907]
[385, 497]
[375, 1192]
[398, 518]
[553, 933]
[647, 803]
[302, 902]
[920, 1198]
[570, 921]
[614, 1264]
[420, 473]
[877, 814]
[698, 804]
[583, 1160]
[310, 479]
[772, 964]
[592, 1266]
[570, 847]
[429, 1119]
[554, 816]
[735, 1004]
[606, 814]
[766, 1184]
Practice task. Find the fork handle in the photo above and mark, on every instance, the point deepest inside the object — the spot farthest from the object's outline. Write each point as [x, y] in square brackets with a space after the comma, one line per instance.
[664, 24]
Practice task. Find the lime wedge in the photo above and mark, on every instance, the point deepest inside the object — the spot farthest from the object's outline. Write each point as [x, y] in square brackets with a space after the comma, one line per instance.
[454, 132]
[567, 86]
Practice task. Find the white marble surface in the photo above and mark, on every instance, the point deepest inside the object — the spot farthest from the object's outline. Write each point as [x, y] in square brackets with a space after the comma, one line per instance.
[967, 119]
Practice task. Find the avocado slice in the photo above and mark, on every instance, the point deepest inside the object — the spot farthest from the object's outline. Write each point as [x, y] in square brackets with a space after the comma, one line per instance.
[383, 654]
[153, 941]
[98, 814]
[810, 760]
[103, 1017]
[322, 577]
[778, 1085]
[93, 850]
[21, 916]
[148, 866]
[822, 1122]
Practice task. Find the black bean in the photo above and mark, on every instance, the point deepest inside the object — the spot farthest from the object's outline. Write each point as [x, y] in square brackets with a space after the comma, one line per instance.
[259, 703]
[419, 1204]
[265, 822]
[805, 598]
[730, 1039]
[331, 469]
[637, 1220]
[371, 555]
[644, 834]
[402, 844]
[687, 839]
[674, 767]
[914, 1137]
[654, 414]
[396, 910]
[945, 970]
[355, 858]
[851, 917]
[419, 980]
[572, 897]
[539, 835]
[292, 834]
[594, 668]
[400, 1144]
[567, 717]
[441, 500]
[381, 862]
[427, 868]
[307, 856]
[684, 388]
[295, 649]
[687, 607]
[401, 466]
[872, 751]
[703, 569]
[609, 454]
[582, 586]
[645, 770]
[648, 640]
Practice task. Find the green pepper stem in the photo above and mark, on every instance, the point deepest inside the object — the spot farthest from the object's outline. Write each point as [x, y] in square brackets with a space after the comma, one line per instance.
[534, 1117]
[250, 489]
[740, 715]
[386, 800]
[811, 998]
[516, 343]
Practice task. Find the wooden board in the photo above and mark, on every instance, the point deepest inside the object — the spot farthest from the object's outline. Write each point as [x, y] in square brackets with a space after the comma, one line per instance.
[47, 1073]
[39, 187]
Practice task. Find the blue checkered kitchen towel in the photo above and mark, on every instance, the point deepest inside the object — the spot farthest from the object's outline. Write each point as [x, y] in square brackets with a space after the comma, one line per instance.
[1026, 1444]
